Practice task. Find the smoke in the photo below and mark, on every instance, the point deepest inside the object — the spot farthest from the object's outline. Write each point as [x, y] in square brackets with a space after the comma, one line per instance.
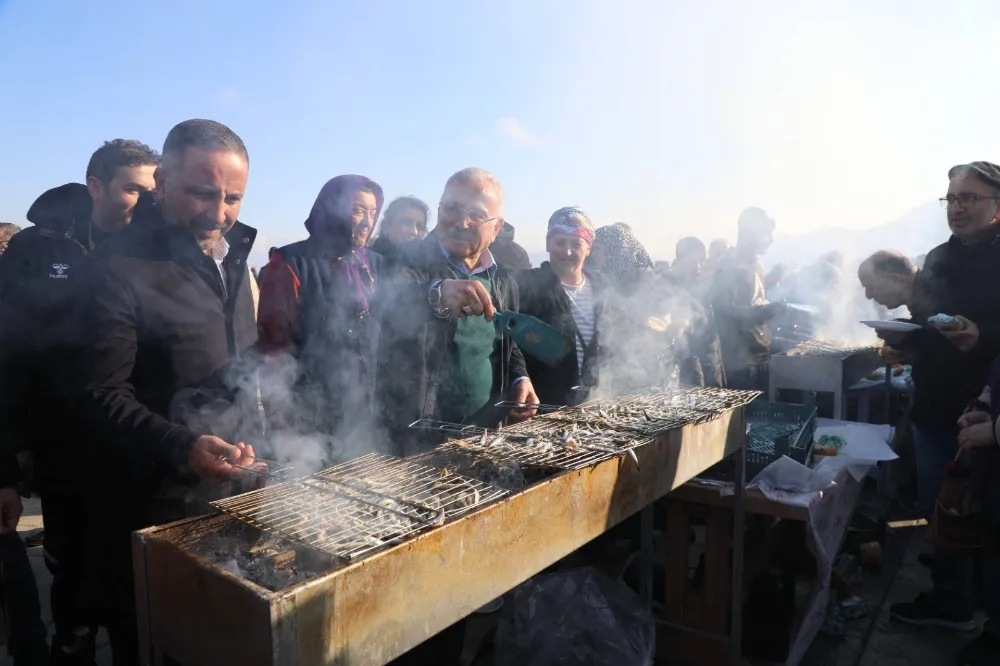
[836, 298]
[317, 412]
[649, 338]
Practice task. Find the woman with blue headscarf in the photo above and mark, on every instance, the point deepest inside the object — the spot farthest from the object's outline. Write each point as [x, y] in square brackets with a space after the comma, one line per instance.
[570, 299]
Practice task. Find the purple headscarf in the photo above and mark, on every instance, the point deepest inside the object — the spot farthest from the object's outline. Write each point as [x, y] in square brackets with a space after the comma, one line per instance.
[327, 225]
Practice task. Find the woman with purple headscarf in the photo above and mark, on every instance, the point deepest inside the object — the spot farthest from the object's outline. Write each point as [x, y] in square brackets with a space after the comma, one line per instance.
[314, 323]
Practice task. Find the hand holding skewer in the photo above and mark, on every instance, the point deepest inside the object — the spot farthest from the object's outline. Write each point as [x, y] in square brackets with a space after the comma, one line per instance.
[524, 393]
[210, 458]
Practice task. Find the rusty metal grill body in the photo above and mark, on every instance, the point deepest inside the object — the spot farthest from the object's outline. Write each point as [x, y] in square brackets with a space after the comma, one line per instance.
[368, 610]
[822, 367]
[356, 507]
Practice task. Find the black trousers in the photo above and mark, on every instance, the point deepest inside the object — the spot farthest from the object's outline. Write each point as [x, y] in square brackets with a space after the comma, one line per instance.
[65, 533]
[27, 645]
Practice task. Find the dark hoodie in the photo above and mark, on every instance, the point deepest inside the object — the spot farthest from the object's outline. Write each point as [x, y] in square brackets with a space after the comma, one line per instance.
[507, 253]
[37, 284]
[314, 307]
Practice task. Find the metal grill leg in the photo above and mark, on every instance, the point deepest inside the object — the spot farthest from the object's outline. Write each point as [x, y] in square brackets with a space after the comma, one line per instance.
[736, 612]
[646, 554]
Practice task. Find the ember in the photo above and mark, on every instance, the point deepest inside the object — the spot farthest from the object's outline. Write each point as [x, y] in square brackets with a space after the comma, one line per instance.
[248, 553]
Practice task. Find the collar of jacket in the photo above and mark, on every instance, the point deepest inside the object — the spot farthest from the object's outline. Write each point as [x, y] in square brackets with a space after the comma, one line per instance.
[988, 242]
[596, 279]
[182, 244]
[490, 269]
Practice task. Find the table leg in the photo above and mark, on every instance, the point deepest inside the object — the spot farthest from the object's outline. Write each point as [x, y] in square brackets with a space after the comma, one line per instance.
[646, 555]
[739, 515]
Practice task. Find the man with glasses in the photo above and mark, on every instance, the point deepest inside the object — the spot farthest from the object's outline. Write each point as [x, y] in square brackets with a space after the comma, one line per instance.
[441, 355]
[950, 368]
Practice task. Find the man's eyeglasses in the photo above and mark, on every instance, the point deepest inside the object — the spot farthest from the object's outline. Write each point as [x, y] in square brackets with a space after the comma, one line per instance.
[964, 200]
[477, 217]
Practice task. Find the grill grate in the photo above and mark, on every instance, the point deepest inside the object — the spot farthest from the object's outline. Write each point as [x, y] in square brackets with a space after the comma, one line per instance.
[656, 411]
[829, 348]
[353, 508]
[601, 429]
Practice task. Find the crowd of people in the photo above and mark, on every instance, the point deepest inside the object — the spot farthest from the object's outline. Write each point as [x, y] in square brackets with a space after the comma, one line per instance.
[145, 367]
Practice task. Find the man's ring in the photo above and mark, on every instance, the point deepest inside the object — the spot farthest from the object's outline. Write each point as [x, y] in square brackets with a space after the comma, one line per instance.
[467, 309]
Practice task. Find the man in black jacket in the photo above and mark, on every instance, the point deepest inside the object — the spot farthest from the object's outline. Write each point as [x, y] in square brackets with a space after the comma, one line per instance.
[949, 370]
[167, 322]
[441, 356]
[38, 277]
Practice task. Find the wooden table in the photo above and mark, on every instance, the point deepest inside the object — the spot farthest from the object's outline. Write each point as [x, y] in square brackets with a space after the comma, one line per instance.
[708, 611]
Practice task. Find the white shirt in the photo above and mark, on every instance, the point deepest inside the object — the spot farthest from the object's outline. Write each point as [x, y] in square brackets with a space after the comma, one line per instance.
[218, 254]
[581, 299]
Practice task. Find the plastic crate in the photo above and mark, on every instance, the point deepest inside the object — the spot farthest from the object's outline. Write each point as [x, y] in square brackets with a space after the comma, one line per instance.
[774, 429]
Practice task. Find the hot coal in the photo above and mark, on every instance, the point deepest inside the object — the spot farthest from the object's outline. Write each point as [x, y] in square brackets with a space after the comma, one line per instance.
[270, 562]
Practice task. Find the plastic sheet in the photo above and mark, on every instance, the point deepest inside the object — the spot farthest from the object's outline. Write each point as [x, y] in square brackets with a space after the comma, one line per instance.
[573, 618]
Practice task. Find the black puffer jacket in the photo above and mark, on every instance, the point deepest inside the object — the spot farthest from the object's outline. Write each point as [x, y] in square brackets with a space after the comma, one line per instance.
[414, 341]
[957, 279]
[334, 348]
[509, 254]
[542, 296]
[163, 359]
[38, 281]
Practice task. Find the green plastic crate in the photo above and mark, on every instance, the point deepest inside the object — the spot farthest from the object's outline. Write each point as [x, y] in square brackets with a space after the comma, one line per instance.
[774, 429]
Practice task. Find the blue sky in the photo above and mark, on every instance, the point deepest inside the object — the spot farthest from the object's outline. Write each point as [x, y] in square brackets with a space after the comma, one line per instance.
[671, 115]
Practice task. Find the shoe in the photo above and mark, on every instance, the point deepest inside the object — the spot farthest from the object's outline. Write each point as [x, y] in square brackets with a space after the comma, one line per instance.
[984, 650]
[922, 613]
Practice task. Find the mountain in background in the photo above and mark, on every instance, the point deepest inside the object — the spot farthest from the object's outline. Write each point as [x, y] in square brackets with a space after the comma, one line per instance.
[913, 234]
[916, 233]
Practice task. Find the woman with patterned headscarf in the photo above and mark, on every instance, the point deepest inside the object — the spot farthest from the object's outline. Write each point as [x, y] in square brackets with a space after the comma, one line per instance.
[570, 299]
[619, 255]
[657, 333]
[314, 323]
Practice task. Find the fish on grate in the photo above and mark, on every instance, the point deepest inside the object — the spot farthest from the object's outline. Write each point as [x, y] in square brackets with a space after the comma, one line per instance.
[355, 507]
[832, 348]
[602, 428]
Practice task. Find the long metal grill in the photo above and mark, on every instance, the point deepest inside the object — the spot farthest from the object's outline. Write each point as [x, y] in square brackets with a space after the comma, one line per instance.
[828, 348]
[355, 507]
[602, 428]
[653, 412]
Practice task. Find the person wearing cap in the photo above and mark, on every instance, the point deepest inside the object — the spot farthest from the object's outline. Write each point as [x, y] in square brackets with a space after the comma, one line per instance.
[507, 253]
[570, 298]
[950, 367]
